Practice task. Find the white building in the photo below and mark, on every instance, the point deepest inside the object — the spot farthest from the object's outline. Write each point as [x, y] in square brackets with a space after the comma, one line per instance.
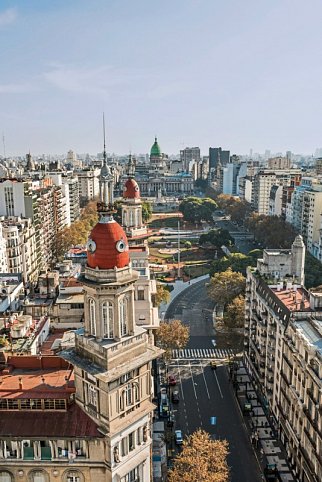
[88, 185]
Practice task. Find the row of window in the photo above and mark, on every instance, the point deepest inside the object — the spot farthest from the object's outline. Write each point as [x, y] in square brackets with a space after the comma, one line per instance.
[32, 404]
[41, 476]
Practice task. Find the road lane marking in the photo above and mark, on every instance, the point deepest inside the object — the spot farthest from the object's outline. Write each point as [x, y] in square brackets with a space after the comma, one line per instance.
[179, 374]
[193, 382]
[214, 372]
[204, 379]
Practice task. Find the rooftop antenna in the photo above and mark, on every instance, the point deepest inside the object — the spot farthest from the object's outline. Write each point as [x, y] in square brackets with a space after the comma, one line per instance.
[4, 146]
[104, 152]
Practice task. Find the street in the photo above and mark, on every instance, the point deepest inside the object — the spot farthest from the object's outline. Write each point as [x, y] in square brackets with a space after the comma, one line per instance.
[206, 393]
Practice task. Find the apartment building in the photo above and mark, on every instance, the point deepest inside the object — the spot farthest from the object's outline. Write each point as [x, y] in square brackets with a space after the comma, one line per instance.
[263, 182]
[20, 243]
[88, 185]
[283, 339]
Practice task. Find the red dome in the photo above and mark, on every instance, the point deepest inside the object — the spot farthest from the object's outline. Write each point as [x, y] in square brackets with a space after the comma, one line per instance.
[131, 189]
[107, 246]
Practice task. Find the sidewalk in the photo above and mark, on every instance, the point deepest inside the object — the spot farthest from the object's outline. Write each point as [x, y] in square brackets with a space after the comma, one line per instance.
[269, 451]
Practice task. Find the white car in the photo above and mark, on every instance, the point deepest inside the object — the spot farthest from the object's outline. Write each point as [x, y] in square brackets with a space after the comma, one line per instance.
[178, 437]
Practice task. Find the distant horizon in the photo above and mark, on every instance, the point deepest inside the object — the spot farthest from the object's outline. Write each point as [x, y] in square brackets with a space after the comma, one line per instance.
[192, 72]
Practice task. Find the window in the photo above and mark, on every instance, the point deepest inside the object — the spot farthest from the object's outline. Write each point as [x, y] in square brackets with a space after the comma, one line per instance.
[108, 319]
[5, 476]
[74, 476]
[92, 317]
[132, 441]
[133, 475]
[141, 294]
[92, 396]
[129, 394]
[124, 316]
[39, 476]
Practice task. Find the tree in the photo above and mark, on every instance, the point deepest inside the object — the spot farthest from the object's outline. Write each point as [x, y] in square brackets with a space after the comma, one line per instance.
[146, 211]
[225, 286]
[195, 209]
[172, 335]
[162, 296]
[271, 231]
[313, 271]
[236, 261]
[201, 459]
[234, 315]
[217, 237]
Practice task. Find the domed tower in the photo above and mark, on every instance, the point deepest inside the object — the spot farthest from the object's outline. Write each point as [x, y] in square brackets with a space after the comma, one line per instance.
[113, 356]
[157, 160]
[132, 207]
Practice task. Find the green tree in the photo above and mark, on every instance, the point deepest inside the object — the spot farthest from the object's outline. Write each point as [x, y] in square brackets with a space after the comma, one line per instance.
[225, 286]
[196, 209]
[146, 211]
[313, 271]
[171, 335]
[217, 237]
[201, 459]
[234, 316]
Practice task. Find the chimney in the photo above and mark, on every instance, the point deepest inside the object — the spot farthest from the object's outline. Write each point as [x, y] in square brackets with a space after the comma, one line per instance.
[20, 383]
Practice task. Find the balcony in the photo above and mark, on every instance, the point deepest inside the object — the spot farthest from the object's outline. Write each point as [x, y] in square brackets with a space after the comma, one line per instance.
[310, 393]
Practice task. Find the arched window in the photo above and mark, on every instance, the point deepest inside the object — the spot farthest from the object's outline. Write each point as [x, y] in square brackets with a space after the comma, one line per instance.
[108, 319]
[73, 476]
[5, 476]
[131, 223]
[124, 316]
[92, 317]
[38, 476]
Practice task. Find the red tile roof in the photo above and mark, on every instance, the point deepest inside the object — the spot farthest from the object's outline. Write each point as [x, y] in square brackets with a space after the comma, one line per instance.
[73, 423]
[293, 300]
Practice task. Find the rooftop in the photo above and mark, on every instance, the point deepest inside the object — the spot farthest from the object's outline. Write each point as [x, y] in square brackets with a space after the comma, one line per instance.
[36, 377]
[293, 300]
[72, 423]
[313, 334]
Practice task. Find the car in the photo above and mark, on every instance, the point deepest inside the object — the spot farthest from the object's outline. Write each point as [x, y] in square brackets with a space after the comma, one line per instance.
[175, 396]
[172, 380]
[178, 437]
[213, 364]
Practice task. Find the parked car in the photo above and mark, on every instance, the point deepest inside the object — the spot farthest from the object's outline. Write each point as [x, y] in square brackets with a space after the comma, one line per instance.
[172, 380]
[175, 396]
[178, 437]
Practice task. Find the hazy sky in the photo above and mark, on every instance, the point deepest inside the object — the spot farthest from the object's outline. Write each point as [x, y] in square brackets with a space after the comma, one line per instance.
[237, 74]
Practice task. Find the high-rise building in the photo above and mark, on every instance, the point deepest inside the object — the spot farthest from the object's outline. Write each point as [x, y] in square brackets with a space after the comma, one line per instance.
[216, 156]
[88, 185]
[188, 155]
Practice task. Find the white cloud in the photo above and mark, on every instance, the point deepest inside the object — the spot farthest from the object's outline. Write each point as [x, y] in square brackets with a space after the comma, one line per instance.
[100, 80]
[8, 16]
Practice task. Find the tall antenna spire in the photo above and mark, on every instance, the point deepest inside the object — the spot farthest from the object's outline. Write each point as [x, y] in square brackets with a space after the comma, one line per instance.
[104, 152]
[4, 146]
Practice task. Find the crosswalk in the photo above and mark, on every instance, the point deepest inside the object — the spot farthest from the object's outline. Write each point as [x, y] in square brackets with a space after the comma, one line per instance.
[202, 353]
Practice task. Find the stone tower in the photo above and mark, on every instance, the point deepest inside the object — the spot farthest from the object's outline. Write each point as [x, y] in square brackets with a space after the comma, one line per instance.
[113, 357]
[298, 259]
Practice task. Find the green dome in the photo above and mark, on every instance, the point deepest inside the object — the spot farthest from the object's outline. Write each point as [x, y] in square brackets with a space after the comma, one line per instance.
[155, 149]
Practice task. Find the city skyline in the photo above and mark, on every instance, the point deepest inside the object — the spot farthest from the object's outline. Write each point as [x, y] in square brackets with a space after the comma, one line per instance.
[194, 73]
